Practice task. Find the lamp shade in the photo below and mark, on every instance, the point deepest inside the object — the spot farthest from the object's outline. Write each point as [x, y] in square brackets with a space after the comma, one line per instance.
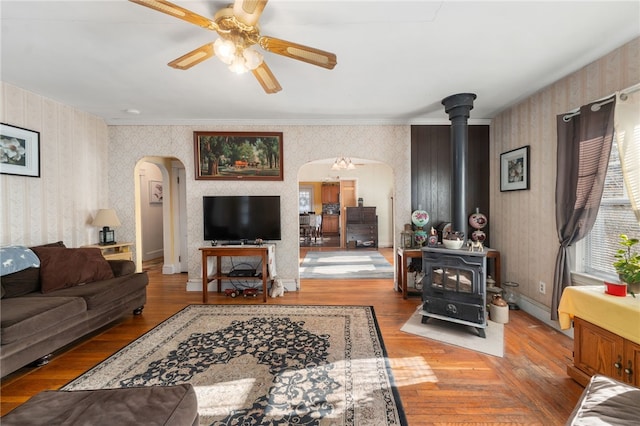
[106, 217]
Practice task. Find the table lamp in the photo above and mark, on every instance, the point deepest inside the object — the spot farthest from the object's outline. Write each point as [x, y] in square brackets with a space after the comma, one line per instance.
[104, 219]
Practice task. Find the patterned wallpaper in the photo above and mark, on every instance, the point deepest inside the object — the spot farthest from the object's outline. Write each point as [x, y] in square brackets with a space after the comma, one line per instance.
[523, 222]
[60, 205]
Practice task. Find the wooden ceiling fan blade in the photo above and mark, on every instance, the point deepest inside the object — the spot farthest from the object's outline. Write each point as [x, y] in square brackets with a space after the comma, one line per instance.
[266, 79]
[306, 54]
[248, 11]
[178, 12]
[194, 57]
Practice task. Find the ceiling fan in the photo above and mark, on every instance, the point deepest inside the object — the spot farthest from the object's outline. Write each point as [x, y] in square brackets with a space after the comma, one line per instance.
[237, 26]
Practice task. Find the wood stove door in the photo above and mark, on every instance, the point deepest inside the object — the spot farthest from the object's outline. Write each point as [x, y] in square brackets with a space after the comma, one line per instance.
[454, 286]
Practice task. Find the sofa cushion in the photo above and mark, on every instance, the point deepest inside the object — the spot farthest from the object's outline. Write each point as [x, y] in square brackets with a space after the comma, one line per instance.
[68, 267]
[21, 317]
[25, 281]
[16, 259]
[21, 283]
[56, 244]
[99, 294]
[122, 267]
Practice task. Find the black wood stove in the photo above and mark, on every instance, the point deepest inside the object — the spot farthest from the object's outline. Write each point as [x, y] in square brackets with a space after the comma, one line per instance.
[454, 286]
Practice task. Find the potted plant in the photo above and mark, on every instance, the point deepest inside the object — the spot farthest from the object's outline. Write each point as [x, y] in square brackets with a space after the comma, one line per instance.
[627, 263]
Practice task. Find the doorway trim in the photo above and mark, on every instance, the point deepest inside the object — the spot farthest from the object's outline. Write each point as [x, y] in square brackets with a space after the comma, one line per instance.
[173, 212]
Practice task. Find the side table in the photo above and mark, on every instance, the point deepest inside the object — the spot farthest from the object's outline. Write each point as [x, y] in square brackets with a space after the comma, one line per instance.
[402, 255]
[117, 251]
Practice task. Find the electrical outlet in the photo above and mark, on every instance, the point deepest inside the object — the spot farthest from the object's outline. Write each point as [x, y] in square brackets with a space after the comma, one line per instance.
[542, 287]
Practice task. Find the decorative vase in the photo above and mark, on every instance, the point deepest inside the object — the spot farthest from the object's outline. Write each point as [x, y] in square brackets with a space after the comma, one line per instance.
[420, 218]
[478, 235]
[420, 237]
[478, 221]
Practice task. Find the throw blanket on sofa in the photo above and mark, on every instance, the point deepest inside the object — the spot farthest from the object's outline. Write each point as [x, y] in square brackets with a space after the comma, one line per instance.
[16, 259]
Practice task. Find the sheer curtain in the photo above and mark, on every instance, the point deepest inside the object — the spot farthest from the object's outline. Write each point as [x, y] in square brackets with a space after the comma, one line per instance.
[627, 127]
[584, 146]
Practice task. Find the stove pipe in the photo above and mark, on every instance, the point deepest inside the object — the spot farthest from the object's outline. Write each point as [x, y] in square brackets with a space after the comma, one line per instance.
[458, 107]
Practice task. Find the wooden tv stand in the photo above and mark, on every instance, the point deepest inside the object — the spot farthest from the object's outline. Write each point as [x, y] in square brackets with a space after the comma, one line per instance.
[243, 250]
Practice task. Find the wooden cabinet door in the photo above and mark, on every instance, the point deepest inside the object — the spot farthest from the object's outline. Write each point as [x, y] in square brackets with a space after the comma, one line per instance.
[631, 363]
[597, 350]
[330, 194]
[330, 224]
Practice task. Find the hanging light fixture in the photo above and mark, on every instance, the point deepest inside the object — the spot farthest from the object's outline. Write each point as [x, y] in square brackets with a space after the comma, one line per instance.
[239, 57]
[343, 163]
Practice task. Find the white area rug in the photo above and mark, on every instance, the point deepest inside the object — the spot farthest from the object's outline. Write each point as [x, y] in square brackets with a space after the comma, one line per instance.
[458, 334]
[351, 264]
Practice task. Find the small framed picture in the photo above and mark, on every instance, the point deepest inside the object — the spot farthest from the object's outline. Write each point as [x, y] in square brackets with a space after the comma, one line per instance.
[155, 192]
[514, 169]
[19, 151]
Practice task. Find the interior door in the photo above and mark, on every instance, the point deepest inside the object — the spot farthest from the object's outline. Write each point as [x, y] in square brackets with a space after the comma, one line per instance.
[347, 199]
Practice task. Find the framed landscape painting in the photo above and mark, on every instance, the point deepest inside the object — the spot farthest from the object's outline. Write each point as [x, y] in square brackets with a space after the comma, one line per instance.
[514, 169]
[238, 155]
[19, 151]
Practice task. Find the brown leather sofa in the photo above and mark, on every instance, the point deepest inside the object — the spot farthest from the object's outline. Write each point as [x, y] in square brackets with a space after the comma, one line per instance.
[72, 293]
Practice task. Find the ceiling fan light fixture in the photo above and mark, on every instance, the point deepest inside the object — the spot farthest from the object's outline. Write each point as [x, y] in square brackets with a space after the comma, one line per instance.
[225, 50]
[238, 65]
[252, 57]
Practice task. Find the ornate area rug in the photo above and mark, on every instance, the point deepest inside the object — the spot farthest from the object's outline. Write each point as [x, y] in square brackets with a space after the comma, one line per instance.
[264, 365]
[458, 334]
[352, 264]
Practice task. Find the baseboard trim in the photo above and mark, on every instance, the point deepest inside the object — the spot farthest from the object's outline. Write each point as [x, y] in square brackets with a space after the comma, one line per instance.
[542, 313]
[168, 269]
[196, 284]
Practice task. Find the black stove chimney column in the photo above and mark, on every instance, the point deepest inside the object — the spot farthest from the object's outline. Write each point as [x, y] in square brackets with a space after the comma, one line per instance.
[458, 107]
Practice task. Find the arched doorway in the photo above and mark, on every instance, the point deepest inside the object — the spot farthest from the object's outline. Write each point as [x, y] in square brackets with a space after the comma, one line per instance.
[372, 181]
[161, 213]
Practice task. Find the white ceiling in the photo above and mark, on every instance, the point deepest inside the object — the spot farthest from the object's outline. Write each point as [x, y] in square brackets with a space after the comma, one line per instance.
[396, 59]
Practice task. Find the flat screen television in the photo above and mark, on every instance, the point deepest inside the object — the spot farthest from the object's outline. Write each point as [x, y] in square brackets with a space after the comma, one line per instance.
[241, 217]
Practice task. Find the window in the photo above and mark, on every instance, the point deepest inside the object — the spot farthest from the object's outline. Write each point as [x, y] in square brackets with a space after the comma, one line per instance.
[305, 199]
[615, 217]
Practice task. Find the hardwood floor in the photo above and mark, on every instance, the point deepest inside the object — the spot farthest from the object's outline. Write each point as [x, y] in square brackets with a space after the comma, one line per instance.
[438, 384]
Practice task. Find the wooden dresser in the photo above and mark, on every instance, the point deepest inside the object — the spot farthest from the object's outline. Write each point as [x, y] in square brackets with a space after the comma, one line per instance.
[362, 227]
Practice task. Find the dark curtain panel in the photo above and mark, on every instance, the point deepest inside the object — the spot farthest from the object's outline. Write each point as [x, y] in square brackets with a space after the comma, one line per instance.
[584, 145]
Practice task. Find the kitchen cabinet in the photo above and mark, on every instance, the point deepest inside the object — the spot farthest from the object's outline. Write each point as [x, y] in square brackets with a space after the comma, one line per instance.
[330, 194]
[599, 351]
[330, 224]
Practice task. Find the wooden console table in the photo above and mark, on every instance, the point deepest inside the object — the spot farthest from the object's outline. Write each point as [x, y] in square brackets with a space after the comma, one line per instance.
[232, 251]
